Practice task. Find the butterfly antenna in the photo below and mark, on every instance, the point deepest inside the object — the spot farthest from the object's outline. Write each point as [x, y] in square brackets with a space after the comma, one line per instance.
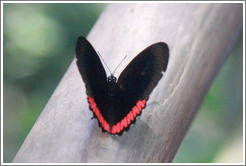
[119, 64]
[104, 62]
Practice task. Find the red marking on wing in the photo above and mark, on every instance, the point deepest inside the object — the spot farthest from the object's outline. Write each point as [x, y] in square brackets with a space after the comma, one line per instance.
[98, 114]
[127, 120]
[124, 123]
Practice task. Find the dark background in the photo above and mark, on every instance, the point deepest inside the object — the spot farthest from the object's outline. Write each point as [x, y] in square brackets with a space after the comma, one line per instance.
[38, 47]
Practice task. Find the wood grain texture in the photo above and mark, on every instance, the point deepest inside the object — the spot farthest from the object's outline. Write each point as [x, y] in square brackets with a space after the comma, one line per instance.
[199, 36]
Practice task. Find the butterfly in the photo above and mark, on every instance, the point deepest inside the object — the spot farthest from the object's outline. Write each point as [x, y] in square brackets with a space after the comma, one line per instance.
[117, 103]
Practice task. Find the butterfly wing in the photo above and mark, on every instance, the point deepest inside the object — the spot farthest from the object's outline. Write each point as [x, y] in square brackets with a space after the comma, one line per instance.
[137, 81]
[90, 68]
[143, 73]
[94, 77]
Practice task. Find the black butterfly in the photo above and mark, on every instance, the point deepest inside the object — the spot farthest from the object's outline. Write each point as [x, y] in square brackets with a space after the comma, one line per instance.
[116, 104]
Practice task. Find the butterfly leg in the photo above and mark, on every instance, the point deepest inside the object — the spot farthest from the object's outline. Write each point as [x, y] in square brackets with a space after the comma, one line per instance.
[94, 117]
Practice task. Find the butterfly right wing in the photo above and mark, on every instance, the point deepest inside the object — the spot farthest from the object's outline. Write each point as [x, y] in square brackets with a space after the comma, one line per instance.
[137, 81]
[143, 73]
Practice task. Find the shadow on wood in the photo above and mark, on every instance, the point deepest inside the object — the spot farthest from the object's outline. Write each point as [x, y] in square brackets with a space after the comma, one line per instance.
[199, 36]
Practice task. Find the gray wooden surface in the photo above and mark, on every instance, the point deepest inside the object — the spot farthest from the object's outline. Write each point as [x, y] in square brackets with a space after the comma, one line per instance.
[199, 36]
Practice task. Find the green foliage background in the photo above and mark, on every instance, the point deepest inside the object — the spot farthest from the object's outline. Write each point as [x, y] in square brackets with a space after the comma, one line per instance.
[38, 47]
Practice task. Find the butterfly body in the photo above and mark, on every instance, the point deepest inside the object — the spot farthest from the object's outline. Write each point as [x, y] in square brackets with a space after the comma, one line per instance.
[112, 86]
[117, 103]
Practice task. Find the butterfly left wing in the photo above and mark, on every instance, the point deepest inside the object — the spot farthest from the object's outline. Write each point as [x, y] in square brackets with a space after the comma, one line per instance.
[137, 81]
[94, 77]
[90, 68]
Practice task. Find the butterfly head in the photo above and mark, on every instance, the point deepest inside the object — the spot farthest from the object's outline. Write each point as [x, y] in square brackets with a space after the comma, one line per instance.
[111, 79]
